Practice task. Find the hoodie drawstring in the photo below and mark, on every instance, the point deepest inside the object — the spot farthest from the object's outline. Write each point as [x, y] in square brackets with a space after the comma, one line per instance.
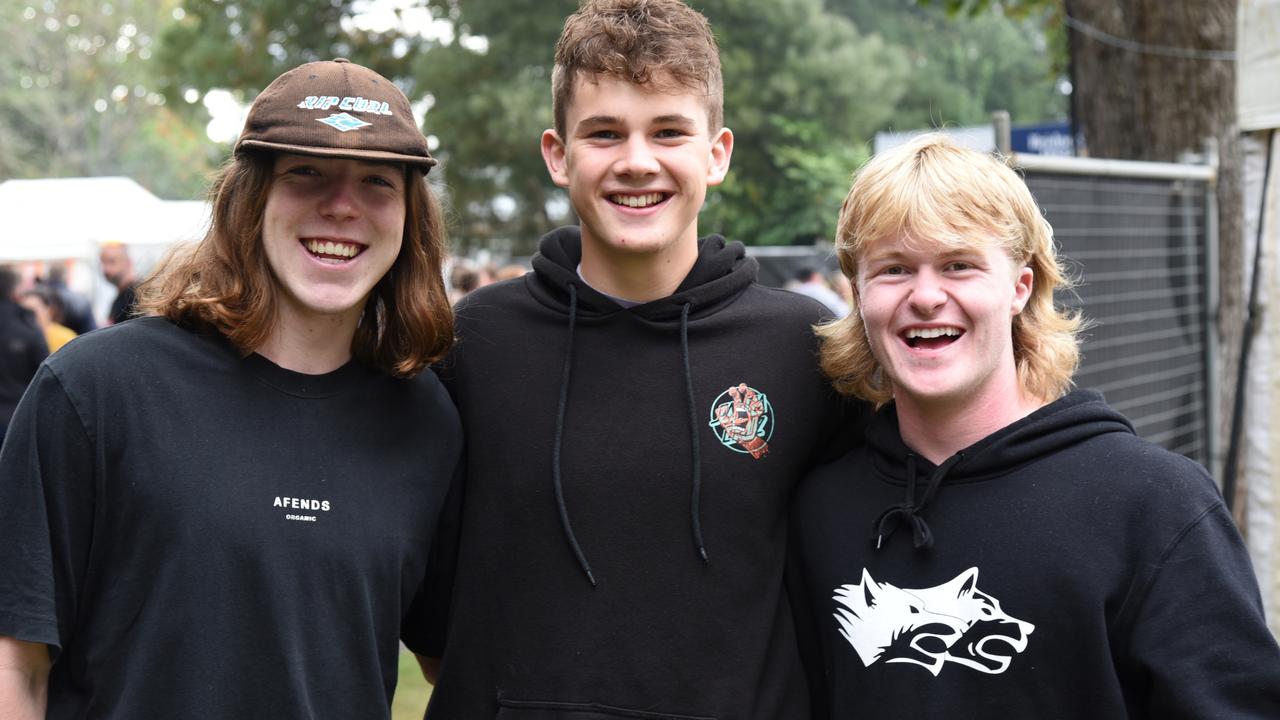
[556, 479]
[910, 509]
[694, 514]
[555, 453]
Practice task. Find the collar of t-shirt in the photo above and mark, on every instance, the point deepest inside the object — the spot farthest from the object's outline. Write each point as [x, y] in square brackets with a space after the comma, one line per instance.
[622, 302]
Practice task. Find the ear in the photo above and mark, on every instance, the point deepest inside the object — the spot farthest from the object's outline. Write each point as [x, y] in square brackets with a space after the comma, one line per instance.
[869, 589]
[721, 151]
[1022, 285]
[554, 154]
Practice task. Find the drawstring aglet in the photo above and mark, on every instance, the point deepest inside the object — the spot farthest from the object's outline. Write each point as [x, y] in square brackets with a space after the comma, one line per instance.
[592, 578]
[703, 552]
[879, 540]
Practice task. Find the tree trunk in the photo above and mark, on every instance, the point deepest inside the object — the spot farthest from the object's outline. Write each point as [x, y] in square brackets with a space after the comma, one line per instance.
[1142, 104]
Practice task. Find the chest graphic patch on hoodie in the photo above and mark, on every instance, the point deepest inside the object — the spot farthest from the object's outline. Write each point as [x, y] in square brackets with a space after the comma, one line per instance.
[954, 622]
[742, 419]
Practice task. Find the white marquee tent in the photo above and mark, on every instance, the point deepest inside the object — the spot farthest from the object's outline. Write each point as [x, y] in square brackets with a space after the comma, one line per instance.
[68, 218]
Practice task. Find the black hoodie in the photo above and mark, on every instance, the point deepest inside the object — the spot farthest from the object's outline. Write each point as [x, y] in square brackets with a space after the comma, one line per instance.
[1059, 568]
[621, 553]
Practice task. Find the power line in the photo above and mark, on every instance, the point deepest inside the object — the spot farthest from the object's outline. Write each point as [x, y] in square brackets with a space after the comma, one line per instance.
[1145, 49]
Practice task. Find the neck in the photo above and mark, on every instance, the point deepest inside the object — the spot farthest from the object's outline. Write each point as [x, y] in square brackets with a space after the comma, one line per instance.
[939, 429]
[313, 347]
[640, 277]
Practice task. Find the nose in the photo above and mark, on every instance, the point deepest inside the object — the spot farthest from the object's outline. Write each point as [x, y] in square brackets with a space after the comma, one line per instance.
[927, 292]
[340, 202]
[637, 158]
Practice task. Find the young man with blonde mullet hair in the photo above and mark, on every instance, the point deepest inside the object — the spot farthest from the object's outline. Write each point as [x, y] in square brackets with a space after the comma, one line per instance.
[224, 509]
[638, 411]
[1002, 546]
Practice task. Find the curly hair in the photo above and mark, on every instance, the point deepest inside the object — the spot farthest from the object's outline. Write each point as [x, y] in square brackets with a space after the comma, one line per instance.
[224, 281]
[661, 44]
[933, 191]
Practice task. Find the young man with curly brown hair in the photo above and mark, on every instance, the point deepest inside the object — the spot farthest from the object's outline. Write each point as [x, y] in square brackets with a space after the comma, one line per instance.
[637, 410]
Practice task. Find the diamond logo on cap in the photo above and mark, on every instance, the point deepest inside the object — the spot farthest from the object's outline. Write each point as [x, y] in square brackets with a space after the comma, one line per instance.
[343, 122]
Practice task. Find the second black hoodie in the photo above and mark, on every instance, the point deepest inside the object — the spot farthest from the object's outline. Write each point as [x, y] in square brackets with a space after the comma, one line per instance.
[621, 551]
[1061, 567]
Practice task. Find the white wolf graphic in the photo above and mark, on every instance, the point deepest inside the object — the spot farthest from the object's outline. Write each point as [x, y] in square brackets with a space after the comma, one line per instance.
[953, 622]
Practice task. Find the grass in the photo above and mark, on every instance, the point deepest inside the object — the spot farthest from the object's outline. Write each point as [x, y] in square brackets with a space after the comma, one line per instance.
[412, 690]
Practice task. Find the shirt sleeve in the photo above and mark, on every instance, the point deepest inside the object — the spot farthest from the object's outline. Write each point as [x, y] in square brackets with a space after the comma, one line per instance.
[46, 511]
[426, 625]
[1200, 646]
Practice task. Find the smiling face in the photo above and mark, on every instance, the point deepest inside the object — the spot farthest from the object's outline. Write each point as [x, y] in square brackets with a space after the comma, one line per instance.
[637, 165]
[939, 320]
[331, 229]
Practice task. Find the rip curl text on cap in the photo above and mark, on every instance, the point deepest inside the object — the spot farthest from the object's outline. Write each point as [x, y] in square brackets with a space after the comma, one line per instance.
[335, 108]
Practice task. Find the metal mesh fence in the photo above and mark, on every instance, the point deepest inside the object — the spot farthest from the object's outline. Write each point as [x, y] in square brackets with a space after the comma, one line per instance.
[1140, 250]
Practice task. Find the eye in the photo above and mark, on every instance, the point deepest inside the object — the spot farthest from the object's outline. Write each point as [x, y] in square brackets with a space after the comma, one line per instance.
[893, 270]
[670, 133]
[604, 135]
[959, 265]
[382, 181]
[302, 171]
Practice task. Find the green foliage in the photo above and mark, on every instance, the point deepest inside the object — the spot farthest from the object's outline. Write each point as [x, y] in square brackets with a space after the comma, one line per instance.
[245, 45]
[80, 98]
[965, 63]
[803, 93]
[807, 84]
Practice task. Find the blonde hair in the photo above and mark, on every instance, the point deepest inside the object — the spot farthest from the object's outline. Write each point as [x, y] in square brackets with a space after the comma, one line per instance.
[934, 191]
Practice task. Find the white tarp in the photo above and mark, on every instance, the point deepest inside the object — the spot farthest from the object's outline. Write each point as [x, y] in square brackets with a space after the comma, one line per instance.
[65, 218]
[1258, 65]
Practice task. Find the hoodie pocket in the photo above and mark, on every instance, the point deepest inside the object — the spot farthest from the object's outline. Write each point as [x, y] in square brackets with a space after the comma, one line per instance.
[509, 709]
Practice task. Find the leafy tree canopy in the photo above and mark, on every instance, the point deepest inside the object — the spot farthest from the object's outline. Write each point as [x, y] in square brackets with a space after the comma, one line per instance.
[807, 84]
[81, 98]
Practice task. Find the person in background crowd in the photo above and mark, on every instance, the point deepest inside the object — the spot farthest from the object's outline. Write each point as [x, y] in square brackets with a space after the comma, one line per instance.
[809, 281]
[463, 279]
[224, 508]
[1003, 546]
[22, 348]
[638, 410]
[77, 311]
[117, 268]
[44, 304]
[509, 272]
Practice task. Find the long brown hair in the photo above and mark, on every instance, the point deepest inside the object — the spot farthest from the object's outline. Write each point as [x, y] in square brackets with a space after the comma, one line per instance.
[224, 280]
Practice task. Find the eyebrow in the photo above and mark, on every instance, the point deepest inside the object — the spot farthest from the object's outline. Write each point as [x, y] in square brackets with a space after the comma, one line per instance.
[608, 120]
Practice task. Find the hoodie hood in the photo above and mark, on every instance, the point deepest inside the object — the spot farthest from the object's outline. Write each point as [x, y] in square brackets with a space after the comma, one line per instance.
[719, 275]
[721, 272]
[1072, 419]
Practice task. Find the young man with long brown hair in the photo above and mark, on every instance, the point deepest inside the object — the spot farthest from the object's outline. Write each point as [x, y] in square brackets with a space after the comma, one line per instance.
[224, 508]
[637, 410]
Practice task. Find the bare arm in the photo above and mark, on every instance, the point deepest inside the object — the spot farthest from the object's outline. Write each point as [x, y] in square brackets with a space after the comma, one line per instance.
[24, 679]
[430, 667]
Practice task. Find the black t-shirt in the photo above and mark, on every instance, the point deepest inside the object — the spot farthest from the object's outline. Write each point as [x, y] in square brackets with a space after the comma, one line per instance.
[197, 534]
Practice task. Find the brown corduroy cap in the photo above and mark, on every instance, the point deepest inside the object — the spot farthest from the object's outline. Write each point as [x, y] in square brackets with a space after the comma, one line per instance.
[335, 108]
